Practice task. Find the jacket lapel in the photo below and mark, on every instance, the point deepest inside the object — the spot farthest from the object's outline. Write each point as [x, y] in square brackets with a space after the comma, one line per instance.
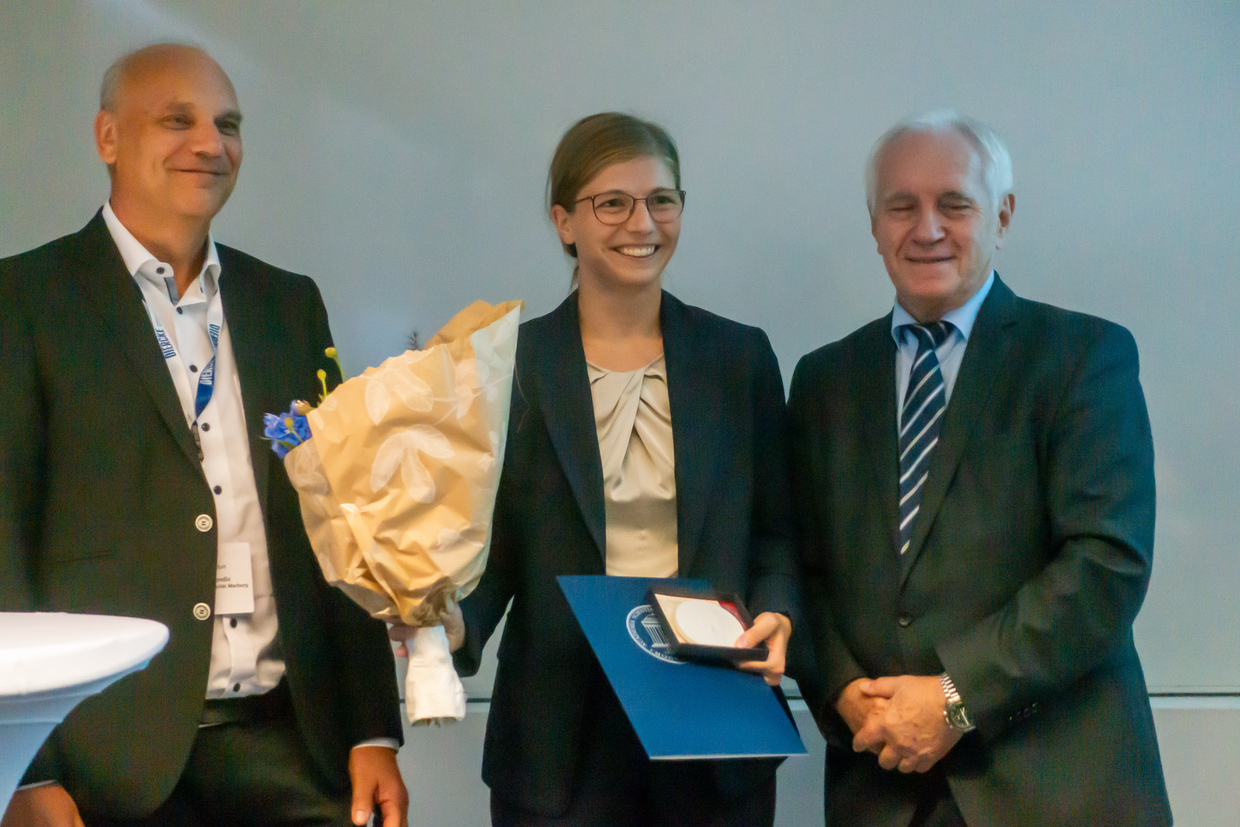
[695, 395]
[562, 390]
[982, 365]
[875, 399]
[118, 301]
[252, 354]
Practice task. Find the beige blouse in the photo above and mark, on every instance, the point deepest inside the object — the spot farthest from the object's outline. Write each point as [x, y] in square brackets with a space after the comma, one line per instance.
[634, 422]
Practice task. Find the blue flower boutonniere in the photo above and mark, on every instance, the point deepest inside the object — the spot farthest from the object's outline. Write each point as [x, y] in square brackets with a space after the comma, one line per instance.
[288, 430]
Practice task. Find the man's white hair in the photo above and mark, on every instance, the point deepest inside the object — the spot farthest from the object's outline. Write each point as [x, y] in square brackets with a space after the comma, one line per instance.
[996, 162]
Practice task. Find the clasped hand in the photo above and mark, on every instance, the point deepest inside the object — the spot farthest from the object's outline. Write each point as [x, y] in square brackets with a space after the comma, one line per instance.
[899, 719]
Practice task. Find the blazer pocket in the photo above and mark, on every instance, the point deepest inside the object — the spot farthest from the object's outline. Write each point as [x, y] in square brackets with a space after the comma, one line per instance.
[69, 557]
[90, 584]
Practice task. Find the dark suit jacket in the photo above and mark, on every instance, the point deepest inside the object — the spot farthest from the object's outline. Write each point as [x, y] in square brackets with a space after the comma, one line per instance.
[1027, 565]
[733, 522]
[100, 486]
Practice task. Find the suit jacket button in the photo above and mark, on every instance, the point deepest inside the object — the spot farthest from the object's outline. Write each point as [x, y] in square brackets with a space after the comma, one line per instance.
[204, 522]
[201, 610]
[904, 620]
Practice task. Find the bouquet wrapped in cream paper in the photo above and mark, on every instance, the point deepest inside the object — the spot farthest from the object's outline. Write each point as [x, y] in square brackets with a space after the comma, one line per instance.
[397, 481]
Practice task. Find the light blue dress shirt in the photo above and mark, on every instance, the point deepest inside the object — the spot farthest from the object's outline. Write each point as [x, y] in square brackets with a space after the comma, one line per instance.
[950, 353]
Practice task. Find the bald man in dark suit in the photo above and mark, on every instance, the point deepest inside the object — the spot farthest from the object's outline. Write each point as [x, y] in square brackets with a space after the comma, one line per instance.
[138, 358]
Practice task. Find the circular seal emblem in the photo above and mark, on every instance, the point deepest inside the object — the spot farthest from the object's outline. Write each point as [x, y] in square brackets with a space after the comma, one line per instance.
[644, 628]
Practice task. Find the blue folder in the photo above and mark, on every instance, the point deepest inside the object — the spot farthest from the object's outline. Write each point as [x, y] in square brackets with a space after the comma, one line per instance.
[678, 709]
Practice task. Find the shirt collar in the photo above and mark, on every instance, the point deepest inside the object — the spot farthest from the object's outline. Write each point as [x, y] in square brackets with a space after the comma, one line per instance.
[962, 318]
[141, 264]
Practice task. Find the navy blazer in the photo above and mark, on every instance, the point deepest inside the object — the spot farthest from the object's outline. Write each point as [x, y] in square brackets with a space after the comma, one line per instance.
[100, 488]
[1027, 564]
[733, 527]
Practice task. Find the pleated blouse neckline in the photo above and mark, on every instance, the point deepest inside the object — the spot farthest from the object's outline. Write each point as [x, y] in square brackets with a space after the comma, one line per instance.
[633, 420]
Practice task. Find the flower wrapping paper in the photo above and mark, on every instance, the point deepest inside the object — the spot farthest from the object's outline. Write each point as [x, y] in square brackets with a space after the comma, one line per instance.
[397, 484]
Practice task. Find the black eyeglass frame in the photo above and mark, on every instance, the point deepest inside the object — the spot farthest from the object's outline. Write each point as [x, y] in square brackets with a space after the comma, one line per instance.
[633, 206]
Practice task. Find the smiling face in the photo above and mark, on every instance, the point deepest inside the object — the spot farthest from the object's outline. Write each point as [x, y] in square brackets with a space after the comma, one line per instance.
[171, 137]
[628, 256]
[936, 226]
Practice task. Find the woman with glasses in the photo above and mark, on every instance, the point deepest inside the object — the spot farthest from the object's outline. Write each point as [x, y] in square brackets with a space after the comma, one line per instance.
[646, 439]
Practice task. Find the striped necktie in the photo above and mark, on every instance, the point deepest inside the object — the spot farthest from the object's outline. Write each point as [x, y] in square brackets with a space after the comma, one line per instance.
[920, 418]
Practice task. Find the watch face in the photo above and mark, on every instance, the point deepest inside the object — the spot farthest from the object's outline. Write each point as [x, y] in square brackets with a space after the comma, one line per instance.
[958, 718]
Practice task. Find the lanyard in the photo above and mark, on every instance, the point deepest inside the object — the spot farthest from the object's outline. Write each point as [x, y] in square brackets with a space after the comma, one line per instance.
[206, 377]
[201, 396]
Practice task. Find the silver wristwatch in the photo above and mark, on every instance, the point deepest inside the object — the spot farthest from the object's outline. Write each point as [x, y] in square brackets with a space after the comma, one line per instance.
[954, 713]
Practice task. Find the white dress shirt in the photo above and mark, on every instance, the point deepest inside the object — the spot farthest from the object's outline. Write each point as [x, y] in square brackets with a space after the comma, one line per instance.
[244, 652]
[950, 354]
[245, 657]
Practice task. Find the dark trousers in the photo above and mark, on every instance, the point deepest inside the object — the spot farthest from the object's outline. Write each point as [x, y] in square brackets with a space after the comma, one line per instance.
[858, 791]
[935, 806]
[617, 786]
[249, 769]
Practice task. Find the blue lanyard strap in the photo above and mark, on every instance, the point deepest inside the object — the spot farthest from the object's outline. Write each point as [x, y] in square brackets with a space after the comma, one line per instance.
[206, 378]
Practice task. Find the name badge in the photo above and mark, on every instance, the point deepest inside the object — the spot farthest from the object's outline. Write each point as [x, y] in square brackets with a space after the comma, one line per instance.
[234, 580]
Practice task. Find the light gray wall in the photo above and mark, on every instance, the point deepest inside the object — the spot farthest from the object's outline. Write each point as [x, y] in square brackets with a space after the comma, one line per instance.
[1200, 746]
[397, 151]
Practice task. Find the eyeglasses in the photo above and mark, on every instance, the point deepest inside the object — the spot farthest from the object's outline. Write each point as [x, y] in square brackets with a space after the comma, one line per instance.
[615, 207]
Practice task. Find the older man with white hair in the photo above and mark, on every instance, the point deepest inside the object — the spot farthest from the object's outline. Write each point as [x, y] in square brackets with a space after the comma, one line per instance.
[974, 474]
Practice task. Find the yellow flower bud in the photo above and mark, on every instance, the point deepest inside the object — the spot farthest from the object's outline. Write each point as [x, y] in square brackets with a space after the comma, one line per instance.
[322, 374]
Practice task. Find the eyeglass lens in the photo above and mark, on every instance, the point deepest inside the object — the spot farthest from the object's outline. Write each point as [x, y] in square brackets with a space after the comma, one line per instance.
[616, 207]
